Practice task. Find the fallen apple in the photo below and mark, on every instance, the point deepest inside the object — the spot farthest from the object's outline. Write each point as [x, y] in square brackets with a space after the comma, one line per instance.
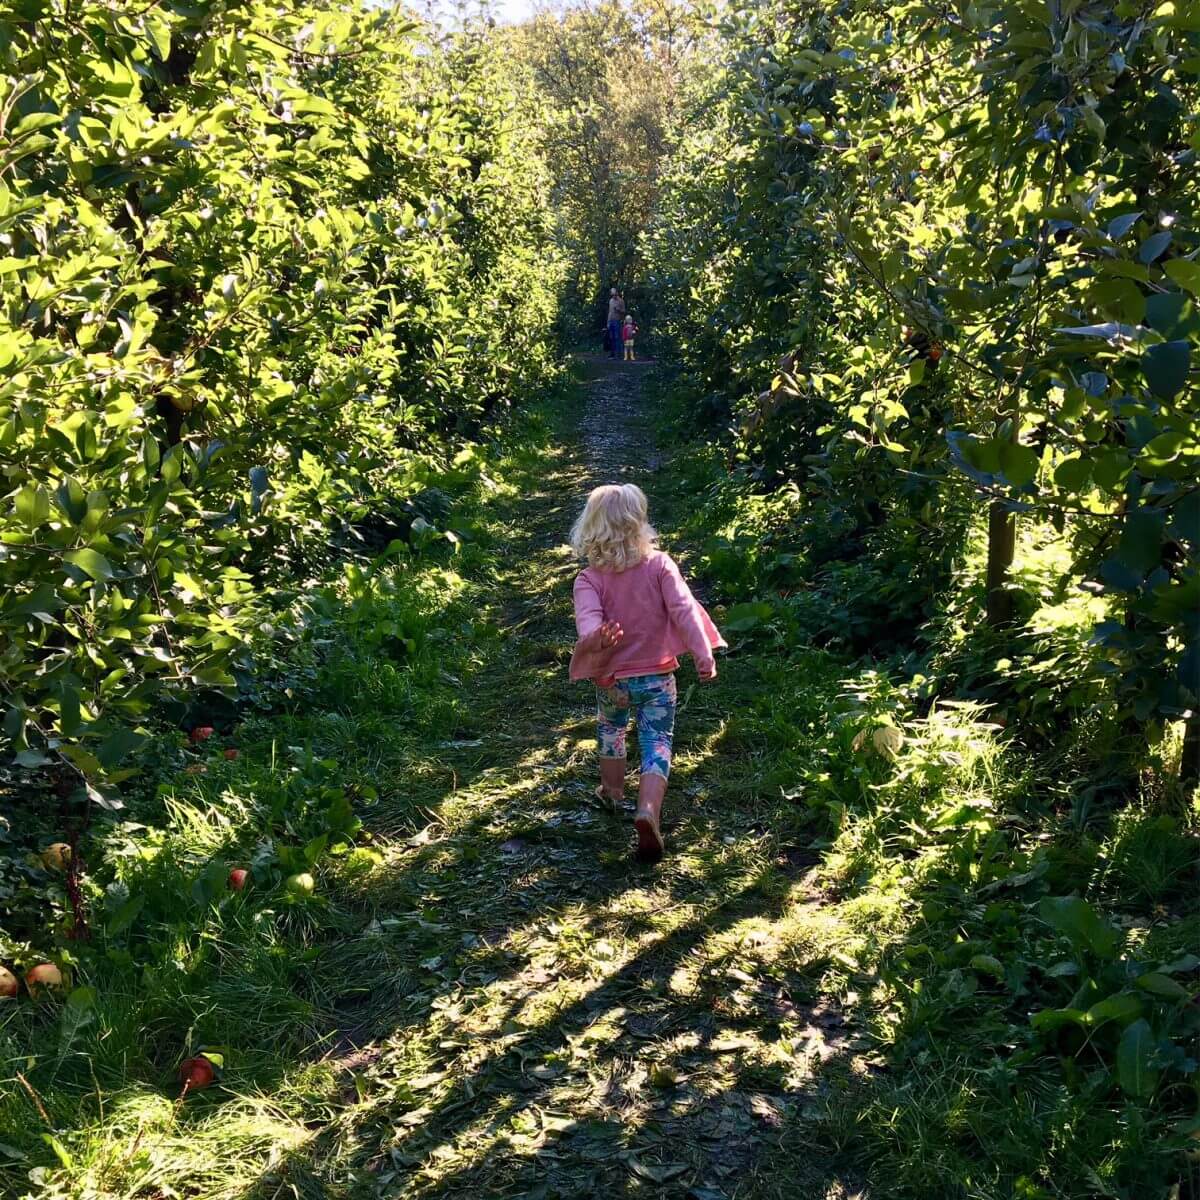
[299, 885]
[231, 754]
[43, 978]
[9, 985]
[196, 1073]
[200, 734]
[238, 878]
[56, 856]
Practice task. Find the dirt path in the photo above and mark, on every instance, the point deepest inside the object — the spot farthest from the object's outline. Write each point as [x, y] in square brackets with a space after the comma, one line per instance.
[615, 432]
[574, 1025]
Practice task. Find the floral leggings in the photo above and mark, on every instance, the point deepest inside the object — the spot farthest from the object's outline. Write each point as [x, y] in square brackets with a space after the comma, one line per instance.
[652, 698]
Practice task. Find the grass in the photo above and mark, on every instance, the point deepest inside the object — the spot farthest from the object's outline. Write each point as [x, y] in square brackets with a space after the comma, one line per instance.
[825, 988]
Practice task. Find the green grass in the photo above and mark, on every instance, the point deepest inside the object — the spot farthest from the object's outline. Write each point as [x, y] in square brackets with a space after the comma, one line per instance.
[826, 986]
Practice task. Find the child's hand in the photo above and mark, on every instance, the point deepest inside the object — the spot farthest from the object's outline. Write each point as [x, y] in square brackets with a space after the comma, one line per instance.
[707, 672]
[604, 639]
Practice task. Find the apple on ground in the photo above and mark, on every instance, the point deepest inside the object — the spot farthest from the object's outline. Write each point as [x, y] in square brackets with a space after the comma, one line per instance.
[42, 978]
[8, 983]
[299, 885]
[56, 856]
[196, 1073]
[238, 878]
[200, 734]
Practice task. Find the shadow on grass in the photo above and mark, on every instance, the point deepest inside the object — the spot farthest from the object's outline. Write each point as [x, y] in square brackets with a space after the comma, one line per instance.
[596, 1098]
[508, 1006]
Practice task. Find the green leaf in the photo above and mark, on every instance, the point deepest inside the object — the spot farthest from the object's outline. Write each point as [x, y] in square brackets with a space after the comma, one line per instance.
[159, 32]
[82, 998]
[1018, 464]
[1165, 312]
[1110, 469]
[1166, 368]
[1185, 272]
[118, 744]
[1136, 1072]
[68, 709]
[60, 1151]
[33, 122]
[987, 964]
[1050, 1019]
[1072, 474]
[1153, 246]
[1140, 544]
[125, 916]
[1077, 920]
[1123, 1007]
[97, 506]
[32, 504]
[742, 618]
[72, 500]
[1164, 447]
[1185, 518]
[1118, 227]
[92, 562]
[1159, 984]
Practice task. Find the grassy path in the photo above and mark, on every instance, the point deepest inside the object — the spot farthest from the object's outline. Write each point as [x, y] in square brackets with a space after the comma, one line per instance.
[487, 997]
[557, 1021]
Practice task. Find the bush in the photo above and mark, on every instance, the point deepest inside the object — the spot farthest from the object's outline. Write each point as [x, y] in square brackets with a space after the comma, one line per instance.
[269, 272]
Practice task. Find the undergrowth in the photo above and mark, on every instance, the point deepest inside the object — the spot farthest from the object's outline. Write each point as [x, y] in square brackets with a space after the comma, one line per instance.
[1017, 902]
[300, 781]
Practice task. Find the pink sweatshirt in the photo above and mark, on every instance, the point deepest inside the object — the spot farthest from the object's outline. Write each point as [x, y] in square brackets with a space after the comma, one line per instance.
[657, 611]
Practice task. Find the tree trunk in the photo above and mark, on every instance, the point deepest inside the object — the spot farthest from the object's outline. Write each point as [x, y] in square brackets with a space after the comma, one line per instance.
[1002, 530]
[1189, 762]
[1001, 549]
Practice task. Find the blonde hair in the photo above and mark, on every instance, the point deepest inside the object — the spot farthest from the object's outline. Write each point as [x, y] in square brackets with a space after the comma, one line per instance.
[613, 531]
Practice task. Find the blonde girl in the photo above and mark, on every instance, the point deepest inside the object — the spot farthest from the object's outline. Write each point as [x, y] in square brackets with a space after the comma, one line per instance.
[628, 333]
[634, 615]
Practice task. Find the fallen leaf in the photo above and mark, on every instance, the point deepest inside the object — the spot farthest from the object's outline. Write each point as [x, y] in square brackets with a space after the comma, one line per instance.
[423, 1082]
[662, 1075]
[654, 1173]
[727, 1045]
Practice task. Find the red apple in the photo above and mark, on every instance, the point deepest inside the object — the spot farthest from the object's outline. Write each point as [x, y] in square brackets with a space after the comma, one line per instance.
[200, 734]
[196, 1073]
[231, 754]
[935, 352]
[43, 977]
[8, 983]
[238, 878]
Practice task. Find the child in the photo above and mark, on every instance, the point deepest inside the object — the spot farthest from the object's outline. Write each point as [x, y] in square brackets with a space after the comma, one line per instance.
[634, 614]
[628, 333]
